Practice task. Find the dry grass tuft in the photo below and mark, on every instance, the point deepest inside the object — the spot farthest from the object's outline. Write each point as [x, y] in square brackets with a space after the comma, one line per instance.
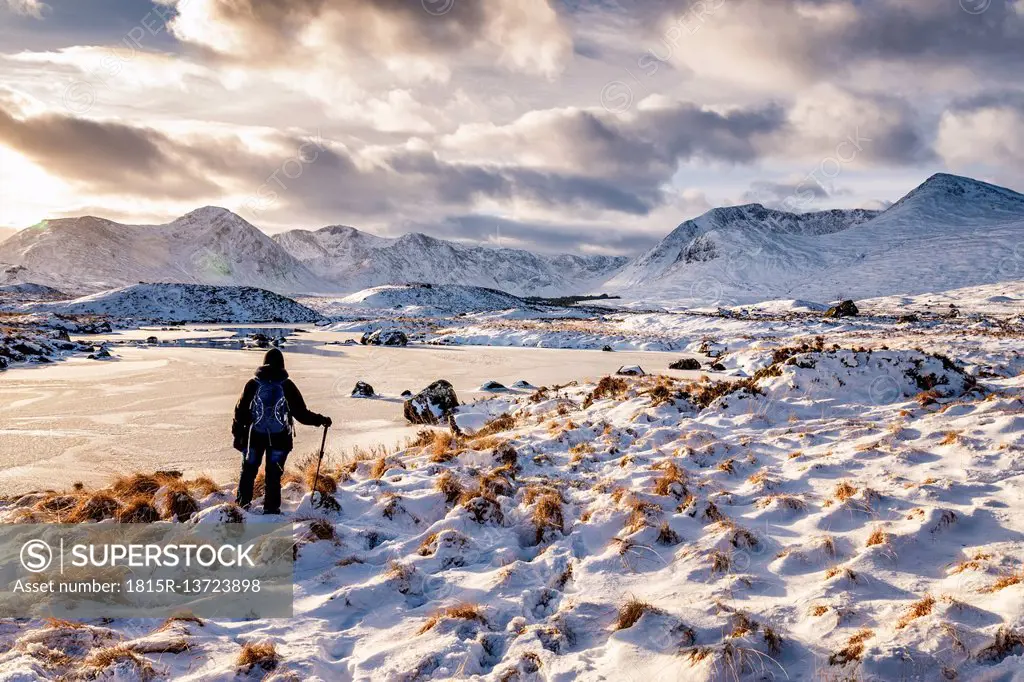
[917, 610]
[449, 484]
[379, 468]
[671, 482]
[844, 491]
[138, 509]
[464, 611]
[819, 610]
[499, 424]
[951, 438]
[101, 659]
[631, 611]
[608, 387]
[641, 515]
[95, 507]
[854, 649]
[1005, 581]
[877, 537]
[667, 536]
[548, 516]
[179, 503]
[203, 486]
[262, 655]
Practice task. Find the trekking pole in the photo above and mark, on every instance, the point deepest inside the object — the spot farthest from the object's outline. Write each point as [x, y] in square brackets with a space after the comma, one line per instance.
[316, 477]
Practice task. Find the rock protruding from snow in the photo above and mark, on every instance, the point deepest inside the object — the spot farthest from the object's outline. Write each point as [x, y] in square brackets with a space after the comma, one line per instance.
[685, 364]
[363, 390]
[631, 371]
[180, 303]
[845, 308]
[493, 386]
[433, 404]
[385, 337]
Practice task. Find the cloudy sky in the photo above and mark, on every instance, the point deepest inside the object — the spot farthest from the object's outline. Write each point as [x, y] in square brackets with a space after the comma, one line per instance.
[552, 124]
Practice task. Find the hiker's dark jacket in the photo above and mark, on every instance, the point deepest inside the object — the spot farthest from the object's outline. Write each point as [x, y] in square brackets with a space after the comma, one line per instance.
[240, 426]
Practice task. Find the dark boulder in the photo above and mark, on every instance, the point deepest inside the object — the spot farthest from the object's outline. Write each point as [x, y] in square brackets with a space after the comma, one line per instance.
[261, 340]
[685, 363]
[845, 309]
[433, 404]
[911, 317]
[953, 312]
[492, 386]
[101, 353]
[406, 393]
[363, 390]
[631, 371]
[385, 337]
[716, 366]
[28, 348]
[152, 340]
[608, 349]
[3, 362]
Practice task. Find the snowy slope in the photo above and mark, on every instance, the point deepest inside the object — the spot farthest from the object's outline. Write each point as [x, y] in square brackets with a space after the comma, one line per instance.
[207, 246]
[446, 297]
[172, 303]
[6, 233]
[950, 232]
[356, 260]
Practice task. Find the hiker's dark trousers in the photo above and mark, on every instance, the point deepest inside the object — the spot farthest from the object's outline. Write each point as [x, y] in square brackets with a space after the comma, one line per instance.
[251, 460]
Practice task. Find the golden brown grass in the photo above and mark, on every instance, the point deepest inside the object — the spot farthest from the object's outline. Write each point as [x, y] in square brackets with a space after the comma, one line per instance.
[916, 610]
[178, 503]
[667, 536]
[844, 491]
[877, 537]
[951, 438]
[261, 655]
[464, 611]
[1005, 581]
[101, 659]
[449, 484]
[975, 563]
[138, 509]
[854, 649]
[95, 507]
[548, 516]
[671, 482]
[631, 611]
[499, 424]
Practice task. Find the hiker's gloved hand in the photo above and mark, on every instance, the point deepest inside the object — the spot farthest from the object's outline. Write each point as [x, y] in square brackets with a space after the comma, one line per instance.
[327, 422]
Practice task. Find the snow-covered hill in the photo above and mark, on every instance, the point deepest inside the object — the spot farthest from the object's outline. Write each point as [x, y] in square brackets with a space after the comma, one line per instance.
[356, 260]
[950, 232]
[207, 246]
[175, 303]
[446, 297]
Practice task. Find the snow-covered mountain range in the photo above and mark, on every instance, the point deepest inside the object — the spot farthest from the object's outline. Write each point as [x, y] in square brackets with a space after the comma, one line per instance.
[355, 260]
[949, 232]
[207, 246]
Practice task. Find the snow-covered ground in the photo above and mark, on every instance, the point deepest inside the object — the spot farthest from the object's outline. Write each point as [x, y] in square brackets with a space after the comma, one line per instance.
[841, 501]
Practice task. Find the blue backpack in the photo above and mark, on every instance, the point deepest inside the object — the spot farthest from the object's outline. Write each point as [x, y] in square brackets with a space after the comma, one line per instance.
[269, 408]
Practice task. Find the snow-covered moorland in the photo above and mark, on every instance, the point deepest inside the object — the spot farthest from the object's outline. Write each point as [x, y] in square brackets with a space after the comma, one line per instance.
[844, 506]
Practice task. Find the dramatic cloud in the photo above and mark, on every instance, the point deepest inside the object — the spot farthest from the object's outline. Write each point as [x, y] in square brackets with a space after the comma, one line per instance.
[524, 34]
[987, 131]
[32, 8]
[772, 44]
